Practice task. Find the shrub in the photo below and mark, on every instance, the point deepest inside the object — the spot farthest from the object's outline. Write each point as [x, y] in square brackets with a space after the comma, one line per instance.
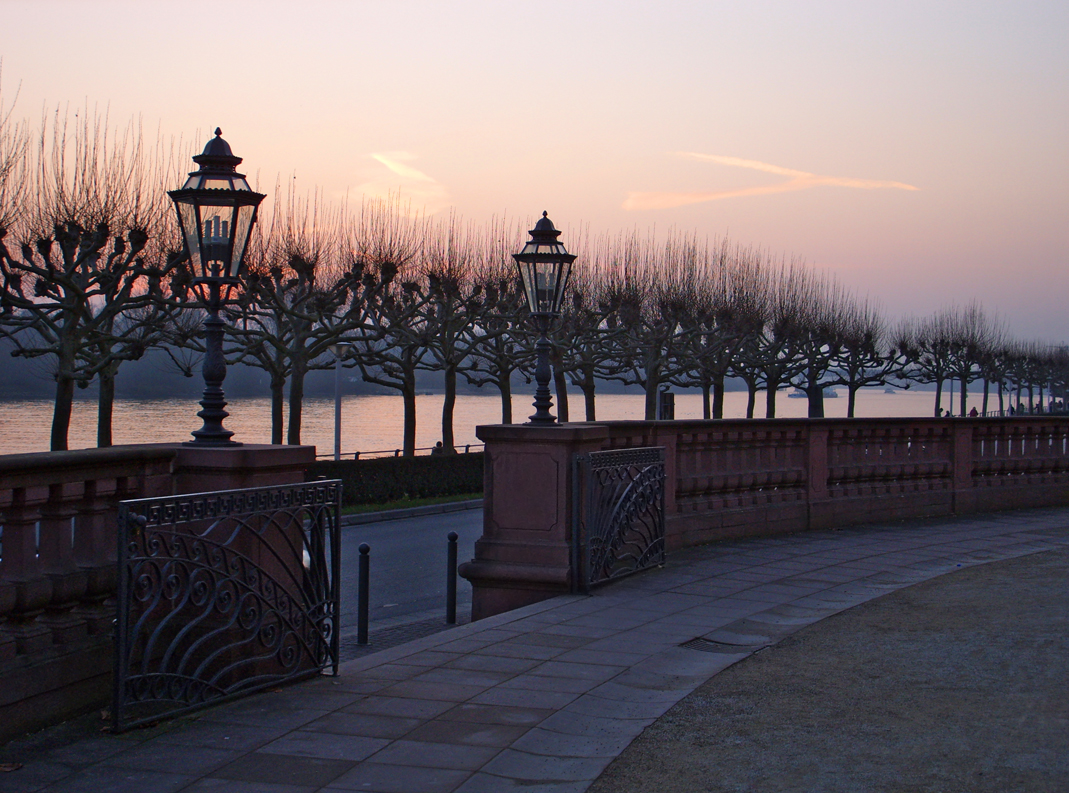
[393, 478]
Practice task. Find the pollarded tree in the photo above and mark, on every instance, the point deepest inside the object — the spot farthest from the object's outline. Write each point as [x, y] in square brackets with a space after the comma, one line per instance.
[306, 291]
[455, 304]
[85, 261]
[583, 340]
[927, 349]
[818, 342]
[498, 346]
[770, 358]
[729, 312]
[653, 291]
[865, 356]
[973, 336]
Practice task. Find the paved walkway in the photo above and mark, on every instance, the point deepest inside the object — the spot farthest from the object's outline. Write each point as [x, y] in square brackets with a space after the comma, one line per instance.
[540, 699]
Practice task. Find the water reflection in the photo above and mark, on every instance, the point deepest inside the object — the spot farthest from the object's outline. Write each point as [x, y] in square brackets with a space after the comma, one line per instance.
[375, 422]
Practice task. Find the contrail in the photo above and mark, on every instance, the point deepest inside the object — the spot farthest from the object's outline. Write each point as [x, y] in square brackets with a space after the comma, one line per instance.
[420, 188]
[799, 180]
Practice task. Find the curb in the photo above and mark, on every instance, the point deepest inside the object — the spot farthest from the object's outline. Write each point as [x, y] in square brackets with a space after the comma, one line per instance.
[410, 512]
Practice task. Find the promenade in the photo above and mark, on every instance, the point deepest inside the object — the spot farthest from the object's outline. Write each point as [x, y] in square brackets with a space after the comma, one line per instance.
[543, 698]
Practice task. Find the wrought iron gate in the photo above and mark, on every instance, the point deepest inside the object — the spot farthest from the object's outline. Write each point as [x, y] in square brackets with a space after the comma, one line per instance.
[619, 513]
[223, 594]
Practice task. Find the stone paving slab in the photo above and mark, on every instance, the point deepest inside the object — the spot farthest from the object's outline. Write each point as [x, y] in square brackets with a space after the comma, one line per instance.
[541, 698]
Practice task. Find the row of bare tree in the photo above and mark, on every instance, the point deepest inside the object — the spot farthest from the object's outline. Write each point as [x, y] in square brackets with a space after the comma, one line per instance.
[90, 276]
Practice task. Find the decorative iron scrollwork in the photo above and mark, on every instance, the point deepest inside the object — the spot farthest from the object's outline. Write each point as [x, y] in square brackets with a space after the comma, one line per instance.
[619, 526]
[223, 594]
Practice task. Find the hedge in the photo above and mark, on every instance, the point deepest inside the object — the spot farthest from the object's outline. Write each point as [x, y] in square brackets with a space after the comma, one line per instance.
[384, 479]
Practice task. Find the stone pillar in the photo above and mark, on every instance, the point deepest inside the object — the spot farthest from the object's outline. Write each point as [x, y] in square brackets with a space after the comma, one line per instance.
[819, 508]
[524, 554]
[962, 464]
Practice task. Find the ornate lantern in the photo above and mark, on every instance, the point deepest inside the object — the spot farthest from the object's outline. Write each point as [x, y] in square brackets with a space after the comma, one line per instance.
[216, 212]
[544, 267]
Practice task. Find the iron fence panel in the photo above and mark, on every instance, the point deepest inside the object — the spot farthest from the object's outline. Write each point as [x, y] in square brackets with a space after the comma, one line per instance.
[224, 594]
[619, 513]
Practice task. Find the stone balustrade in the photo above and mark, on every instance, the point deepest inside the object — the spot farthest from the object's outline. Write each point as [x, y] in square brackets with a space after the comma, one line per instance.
[58, 538]
[746, 477]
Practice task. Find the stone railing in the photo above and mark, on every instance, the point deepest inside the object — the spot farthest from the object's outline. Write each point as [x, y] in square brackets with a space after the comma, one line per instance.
[58, 558]
[756, 477]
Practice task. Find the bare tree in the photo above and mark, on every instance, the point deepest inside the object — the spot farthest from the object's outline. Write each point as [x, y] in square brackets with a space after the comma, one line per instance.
[87, 258]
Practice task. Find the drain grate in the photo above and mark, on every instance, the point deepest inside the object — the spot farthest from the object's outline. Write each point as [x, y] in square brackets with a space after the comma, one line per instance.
[708, 646]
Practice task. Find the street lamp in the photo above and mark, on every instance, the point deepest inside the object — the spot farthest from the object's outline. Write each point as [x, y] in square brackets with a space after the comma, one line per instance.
[544, 266]
[340, 351]
[216, 211]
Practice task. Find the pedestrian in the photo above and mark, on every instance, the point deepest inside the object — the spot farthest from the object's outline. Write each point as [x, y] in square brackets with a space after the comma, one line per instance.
[438, 448]
[973, 413]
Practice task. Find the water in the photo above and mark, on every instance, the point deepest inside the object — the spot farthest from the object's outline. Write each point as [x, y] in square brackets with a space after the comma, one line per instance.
[374, 423]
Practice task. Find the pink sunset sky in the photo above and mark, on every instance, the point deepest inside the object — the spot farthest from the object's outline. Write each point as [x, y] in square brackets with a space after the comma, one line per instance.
[918, 150]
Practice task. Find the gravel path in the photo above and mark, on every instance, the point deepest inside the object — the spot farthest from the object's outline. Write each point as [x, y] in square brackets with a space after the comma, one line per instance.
[956, 684]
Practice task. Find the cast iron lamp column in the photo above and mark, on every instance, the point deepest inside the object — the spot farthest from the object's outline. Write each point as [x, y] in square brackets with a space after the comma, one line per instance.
[216, 212]
[544, 267]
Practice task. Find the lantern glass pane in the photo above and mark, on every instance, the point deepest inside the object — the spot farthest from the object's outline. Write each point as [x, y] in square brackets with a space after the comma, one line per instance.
[216, 224]
[244, 217]
[542, 286]
[188, 219]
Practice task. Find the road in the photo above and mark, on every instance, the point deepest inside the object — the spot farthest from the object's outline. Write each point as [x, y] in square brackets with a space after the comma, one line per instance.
[408, 566]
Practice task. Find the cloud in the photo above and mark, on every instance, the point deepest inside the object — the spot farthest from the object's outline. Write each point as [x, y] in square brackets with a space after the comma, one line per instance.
[799, 180]
[414, 185]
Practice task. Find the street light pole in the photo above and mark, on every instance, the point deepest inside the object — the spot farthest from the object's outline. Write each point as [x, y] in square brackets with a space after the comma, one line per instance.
[544, 265]
[216, 212]
[339, 351]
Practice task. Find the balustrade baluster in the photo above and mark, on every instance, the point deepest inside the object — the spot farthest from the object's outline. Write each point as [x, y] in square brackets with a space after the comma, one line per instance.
[56, 558]
[20, 569]
[94, 552]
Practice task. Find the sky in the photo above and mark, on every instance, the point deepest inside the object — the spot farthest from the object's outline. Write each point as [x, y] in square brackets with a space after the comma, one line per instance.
[919, 151]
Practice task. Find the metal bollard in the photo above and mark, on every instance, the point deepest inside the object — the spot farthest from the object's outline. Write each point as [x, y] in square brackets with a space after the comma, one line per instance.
[362, 593]
[451, 580]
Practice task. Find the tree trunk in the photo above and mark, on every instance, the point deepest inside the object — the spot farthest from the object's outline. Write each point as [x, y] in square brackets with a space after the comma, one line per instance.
[505, 386]
[293, 434]
[408, 395]
[718, 396]
[560, 385]
[938, 396]
[964, 396]
[448, 404]
[815, 398]
[651, 398]
[987, 392]
[770, 400]
[61, 413]
[751, 399]
[588, 385]
[851, 400]
[707, 412]
[1001, 407]
[105, 406]
[278, 401]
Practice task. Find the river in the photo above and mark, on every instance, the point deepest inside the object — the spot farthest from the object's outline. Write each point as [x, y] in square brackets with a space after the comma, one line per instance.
[374, 423]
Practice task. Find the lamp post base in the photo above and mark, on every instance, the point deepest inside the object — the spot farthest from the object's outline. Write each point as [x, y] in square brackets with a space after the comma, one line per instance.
[213, 401]
[543, 400]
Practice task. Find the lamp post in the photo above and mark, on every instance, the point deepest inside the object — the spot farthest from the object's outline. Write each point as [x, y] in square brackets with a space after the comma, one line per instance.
[216, 212]
[544, 266]
[339, 351]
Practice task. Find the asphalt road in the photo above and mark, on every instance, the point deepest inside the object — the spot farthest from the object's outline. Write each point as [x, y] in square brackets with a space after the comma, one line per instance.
[408, 566]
